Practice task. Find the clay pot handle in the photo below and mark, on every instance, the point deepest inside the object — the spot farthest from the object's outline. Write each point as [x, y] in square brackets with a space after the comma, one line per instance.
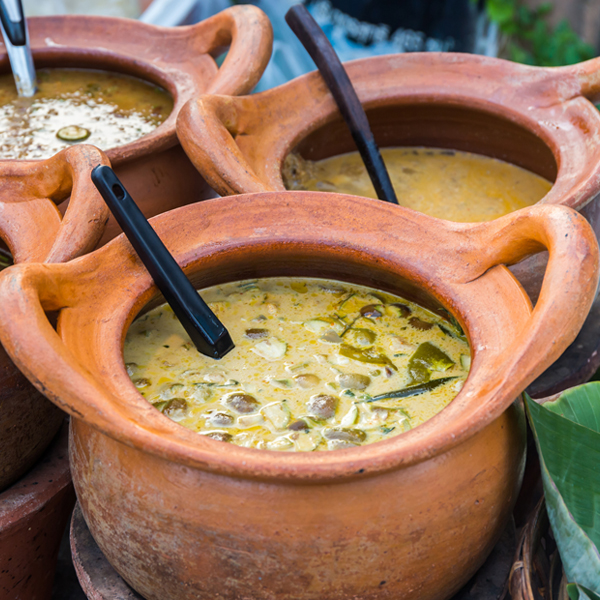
[30, 222]
[248, 33]
[569, 284]
[31, 289]
[206, 127]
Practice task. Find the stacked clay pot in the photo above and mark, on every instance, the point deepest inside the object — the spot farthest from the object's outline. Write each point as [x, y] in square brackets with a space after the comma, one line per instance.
[154, 168]
[35, 501]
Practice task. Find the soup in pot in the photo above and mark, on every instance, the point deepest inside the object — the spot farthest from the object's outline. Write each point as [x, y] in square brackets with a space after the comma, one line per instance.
[448, 184]
[317, 365]
[78, 105]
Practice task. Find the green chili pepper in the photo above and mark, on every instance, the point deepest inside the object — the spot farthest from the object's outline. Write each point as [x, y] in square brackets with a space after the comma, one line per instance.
[412, 390]
[427, 358]
[366, 356]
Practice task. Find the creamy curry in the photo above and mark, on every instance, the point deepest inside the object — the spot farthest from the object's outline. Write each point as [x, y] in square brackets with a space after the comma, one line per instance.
[317, 365]
[78, 105]
[448, 184]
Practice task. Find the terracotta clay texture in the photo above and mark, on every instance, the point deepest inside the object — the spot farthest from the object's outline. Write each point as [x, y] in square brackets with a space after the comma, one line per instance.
[182, 516]
[154, 168]
[34, 231]
[101, 582]
[33, 516]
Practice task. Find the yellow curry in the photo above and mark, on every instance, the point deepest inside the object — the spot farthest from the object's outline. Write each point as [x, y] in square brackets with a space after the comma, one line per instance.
[448, 184]
[317, 365]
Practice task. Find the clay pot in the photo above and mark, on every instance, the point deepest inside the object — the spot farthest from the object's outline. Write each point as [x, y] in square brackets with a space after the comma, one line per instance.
[154, 168]
[182, 516]
[33, 516]
[34, 231]
[541, 119]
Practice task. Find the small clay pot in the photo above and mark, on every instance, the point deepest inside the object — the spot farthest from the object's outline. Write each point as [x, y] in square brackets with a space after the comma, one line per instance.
[34, 231]
[182, 516]
[154, 168]
[33, 515]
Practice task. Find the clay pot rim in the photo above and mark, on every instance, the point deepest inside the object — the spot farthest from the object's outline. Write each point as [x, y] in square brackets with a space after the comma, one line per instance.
[180, 79]
[117, 409]
[394, 80]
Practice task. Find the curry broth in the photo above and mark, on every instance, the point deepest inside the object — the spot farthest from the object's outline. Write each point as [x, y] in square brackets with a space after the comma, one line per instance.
[448, 184]
[315, 365]
[78, 105]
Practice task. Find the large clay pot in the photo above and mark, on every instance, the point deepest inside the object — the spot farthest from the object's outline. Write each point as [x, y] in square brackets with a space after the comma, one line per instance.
[181, 516]
[154, 168]
[33, 516]
[33, 229]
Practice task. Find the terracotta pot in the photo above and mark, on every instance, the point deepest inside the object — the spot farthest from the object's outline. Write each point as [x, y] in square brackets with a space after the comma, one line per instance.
[541, 119]
[182, 516]
[33, 516]
[154, 168]
[34, 231]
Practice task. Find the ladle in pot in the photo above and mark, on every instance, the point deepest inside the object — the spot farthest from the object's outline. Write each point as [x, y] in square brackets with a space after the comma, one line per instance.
[16, 40]
[204, 328]
[331, 69]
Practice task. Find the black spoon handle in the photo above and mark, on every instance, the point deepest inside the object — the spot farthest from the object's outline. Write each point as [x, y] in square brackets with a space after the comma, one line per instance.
[204, 328]
[321, 51]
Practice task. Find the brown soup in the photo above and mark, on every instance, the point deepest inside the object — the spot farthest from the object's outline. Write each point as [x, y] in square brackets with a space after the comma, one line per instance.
[78, 105]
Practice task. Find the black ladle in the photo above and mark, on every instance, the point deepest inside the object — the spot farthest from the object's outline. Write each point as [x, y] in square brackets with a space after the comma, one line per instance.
[206, 331]
[321, 51]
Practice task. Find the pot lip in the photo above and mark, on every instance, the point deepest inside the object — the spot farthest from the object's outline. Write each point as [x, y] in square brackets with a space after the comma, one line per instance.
[39, 485]
[177, 78]
[157, 435]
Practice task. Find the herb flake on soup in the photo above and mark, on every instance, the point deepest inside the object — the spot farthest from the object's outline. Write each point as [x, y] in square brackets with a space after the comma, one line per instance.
[317, 365]
[447, 184]
[78, 105]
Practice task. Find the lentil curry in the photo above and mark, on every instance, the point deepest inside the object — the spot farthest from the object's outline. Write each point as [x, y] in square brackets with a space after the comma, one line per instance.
[447, 184]
[317, 365]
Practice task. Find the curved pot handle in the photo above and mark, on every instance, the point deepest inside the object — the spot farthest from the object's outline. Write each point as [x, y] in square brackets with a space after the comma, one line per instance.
[247, 31]
[569, 284]
[31, 289]
[205, 128]
[31, 224]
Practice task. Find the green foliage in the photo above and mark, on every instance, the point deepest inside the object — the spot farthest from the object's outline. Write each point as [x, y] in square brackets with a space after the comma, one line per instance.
[531, 40]
[567, 435]
[578, 592]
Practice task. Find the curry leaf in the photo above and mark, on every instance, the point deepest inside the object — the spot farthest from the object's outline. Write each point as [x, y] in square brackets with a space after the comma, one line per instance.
[567, 435]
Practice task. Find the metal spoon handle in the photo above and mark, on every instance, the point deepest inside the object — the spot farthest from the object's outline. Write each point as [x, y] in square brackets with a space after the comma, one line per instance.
[321, 51]
[16, 40]
[204, 328]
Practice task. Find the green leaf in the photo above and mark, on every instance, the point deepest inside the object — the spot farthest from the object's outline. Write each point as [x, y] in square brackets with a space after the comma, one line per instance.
[567, 434]
[578, 592]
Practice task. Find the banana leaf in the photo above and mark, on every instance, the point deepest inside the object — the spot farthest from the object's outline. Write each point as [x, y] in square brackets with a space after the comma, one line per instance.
[567, 435]
[579, 592]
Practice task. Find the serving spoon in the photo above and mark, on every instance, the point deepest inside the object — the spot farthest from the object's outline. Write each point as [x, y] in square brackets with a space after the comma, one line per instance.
[321, 51]
[209, 335]
[16, 40]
